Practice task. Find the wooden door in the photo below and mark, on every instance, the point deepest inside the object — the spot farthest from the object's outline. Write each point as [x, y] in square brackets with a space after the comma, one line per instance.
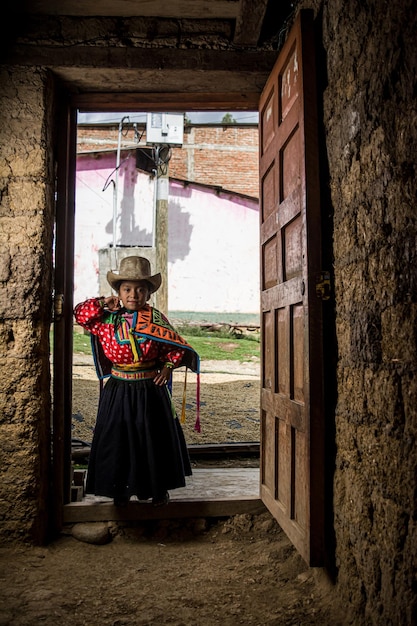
[292, 437]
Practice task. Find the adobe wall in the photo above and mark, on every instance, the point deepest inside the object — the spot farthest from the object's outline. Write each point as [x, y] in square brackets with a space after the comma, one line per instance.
[370, 121]
[26, 230]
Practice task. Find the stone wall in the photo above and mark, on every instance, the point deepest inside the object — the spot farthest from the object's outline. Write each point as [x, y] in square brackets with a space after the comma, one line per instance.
[26, 227]
[368, 69]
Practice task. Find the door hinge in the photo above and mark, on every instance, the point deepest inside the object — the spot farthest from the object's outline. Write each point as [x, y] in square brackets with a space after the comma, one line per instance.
[58, 306]
[323, 286]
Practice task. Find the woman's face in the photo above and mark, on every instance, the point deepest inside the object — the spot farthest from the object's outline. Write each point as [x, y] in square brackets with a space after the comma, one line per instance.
[134, 294]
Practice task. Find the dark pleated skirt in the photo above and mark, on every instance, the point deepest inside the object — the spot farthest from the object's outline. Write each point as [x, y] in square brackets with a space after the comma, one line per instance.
[138, 445]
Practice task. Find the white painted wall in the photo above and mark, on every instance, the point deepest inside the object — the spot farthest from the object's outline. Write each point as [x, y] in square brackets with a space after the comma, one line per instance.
[213, 251]
[213, 248]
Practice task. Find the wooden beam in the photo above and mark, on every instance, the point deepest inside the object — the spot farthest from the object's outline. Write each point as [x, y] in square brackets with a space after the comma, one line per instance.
[79, 80]
[81, 453]
[227, 450]
[87, 512]
[193, 9]
[114, 69]
[108, 102]
[160, 59]
[249, 22]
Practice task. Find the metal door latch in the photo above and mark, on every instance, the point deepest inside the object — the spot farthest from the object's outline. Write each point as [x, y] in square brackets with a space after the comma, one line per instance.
[323, 286]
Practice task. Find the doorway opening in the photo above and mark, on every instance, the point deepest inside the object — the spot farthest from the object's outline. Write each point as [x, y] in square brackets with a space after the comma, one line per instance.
[213, 272]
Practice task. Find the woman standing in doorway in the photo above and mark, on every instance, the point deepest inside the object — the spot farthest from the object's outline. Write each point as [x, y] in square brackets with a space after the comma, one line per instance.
[138, 445]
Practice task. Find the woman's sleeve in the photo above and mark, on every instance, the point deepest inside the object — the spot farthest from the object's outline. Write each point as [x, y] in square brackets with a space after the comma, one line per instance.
[171, 354]
[88, 314]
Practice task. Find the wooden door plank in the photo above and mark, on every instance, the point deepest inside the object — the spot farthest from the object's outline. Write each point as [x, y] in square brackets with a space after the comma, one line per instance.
[80, 512]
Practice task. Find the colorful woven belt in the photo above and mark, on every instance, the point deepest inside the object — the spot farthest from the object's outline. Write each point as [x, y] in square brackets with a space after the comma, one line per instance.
[135, 367]
[138, 375]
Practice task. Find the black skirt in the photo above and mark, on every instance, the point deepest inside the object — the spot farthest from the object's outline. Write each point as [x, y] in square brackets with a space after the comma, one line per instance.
[138, 446]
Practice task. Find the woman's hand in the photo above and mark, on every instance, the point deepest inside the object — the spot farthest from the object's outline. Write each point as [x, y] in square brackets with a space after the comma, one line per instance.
[112, 303]
[163, 377]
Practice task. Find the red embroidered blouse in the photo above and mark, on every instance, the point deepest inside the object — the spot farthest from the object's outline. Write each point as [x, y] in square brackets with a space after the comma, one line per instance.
[90, 314]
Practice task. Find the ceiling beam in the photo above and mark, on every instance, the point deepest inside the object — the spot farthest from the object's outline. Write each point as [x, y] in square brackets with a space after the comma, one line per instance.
[115, 102]
[87, 80]
[142, 58]
[213, 9]
[249, 22]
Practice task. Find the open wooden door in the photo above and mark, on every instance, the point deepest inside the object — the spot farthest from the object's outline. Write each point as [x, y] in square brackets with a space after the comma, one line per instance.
[292, 416]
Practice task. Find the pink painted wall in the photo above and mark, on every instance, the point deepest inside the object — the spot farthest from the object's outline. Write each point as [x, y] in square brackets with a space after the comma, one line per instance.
[94, 213]
[213, 257]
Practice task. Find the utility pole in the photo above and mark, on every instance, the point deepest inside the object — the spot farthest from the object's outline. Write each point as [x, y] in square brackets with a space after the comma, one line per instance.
[162, 131]
[116, 189]
[161, 233]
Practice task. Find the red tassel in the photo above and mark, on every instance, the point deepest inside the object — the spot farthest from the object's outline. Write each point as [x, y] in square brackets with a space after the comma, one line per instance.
[184, 398]
[197, 425]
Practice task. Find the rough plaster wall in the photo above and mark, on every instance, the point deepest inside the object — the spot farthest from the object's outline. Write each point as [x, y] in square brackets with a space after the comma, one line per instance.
[370, 119]
[26, 226]
[126, 31]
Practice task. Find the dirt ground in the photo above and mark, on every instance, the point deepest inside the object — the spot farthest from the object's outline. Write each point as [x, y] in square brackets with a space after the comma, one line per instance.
[241, 570]
[194, 572]
[229, 401]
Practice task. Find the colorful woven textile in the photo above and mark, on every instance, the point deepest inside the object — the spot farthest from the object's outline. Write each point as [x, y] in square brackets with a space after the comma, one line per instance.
[147, 323]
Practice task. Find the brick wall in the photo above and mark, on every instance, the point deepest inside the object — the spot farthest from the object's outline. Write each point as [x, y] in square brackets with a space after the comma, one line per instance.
[224, 156]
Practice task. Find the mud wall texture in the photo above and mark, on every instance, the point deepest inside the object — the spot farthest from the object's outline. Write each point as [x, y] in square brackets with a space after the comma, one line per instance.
[26, 230]
[368, 68]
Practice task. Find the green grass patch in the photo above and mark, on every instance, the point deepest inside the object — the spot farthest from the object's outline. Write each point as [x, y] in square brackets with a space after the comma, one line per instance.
[212, 346]
[177, 317]
[81, 343]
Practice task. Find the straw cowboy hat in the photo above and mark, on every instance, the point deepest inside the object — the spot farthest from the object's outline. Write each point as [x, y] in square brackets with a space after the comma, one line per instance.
[134, 268]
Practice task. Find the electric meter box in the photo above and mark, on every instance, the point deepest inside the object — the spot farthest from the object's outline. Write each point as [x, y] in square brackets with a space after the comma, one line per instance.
[165, 128]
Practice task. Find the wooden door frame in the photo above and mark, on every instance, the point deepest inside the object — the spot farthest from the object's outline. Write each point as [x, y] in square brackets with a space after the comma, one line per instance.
[63, 307]
[111, 102]
[64, 257]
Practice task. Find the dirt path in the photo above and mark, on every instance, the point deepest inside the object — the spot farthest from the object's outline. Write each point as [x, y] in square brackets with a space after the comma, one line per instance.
[187, 573]
[230, 397]
[198, 572]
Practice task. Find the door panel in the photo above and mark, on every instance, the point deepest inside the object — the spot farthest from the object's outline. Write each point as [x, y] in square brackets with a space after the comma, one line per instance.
[292, 444]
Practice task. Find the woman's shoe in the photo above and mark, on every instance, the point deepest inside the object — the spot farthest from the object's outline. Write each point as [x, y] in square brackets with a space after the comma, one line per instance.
[161, 500]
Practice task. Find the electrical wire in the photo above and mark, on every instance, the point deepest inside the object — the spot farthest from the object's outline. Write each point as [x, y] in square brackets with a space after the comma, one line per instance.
[108, 181]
